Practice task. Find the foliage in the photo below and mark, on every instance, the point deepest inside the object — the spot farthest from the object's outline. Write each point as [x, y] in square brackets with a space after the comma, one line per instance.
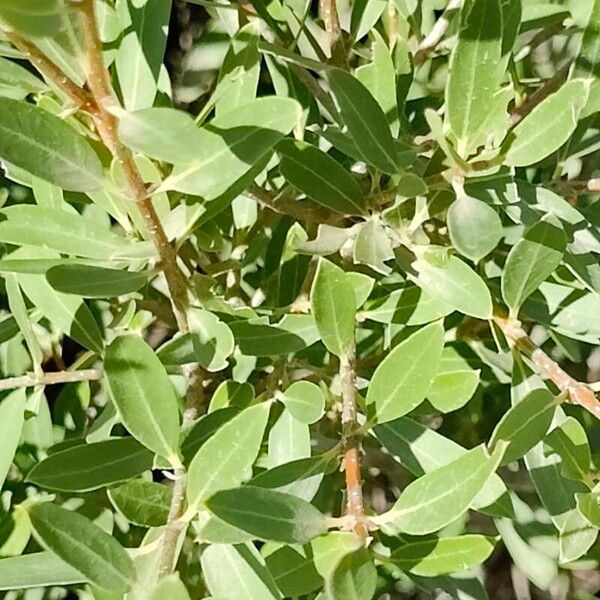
[318, 318]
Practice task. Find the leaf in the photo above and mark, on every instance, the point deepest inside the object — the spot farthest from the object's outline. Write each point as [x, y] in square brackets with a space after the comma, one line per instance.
[94, 282]
[143, 394]
[576, 538]
[329, 549]
[40, 569]
[333, 307]
[525, 424]
[305, 401]
[569, 440]
[16, 82]
[532, 260]
[161, 133]
[231, 393]
[402, 380]
[455, 284]
[68, 313]
[365, 121]
[589, 506]
[474, 77]
[442, 556]
[547, 127]
[256, 339]
[12, 417]
[143, 503]
[232, 144]
[38, 19]
[355, 576]
[140, 55]
[474, 227]
[64, 232]
[441, 496]
[293, 571]
[252, 580]
[87, 467]
[320, 177]
[44, 145]
[170, 586]
[269, 514]
[588, 59]
[83, 545]
[451, 389]
[373, 247]
[221, 464]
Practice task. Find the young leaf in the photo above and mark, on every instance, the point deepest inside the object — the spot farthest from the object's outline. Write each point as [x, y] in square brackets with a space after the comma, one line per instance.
[455, 284]
[268, 514]
[44, 145]
[305, 401]
[140, 388]
[532, 260]
[220, 464]
[525, 424]
[442, 556]
[549, 125]
[83, 545]
[12, 417]
[333, 307]
[441, 496]
[365, 120]
[373, 247]
[87, 467]
[94, 282]
[402, 380]
[320, 177]
[473, 77]
[144, 503]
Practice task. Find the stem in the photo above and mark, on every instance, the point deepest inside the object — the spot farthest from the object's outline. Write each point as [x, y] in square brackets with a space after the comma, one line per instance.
[31, 379]
[329, 14]
[351, 443]
[434, 37]
[575, 391]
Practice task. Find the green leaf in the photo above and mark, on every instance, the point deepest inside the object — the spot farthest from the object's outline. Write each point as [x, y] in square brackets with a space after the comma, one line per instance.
[38, 18]
[320, 177]
[44, 145]
[474, 77]
[170, 587]
[305, 401]
[365, 121]
[64, 232]
[68, 313]
[12, 417]
[525, 424]
[83, 545]
[547, 127]
[442, 556]
[143, 394]
[576, 538]
[293, 571]
[256, 339]
[532, 260]
[220, 464]
[16, 82]
[40, 569]
[355, 576]
[144, 503]
[402, 380]
[333, 307]
[569, 440]
[373, 246]
[452, 387]
[232, 144]
[474, 227]
[589, 506]
[441, 496]
[140, 55]
[588, 59]
[269, 514]
[87, 467]
[329, 549]
[252, 580]
[231, 393]
[455, 284]
[94, 282]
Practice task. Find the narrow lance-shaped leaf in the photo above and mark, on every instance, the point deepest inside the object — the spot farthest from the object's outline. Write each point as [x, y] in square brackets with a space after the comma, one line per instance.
[83, 545]
[140, 388]
[46, 146]
[402, 380]
[269, 514]
[334, 307]
[144, 503]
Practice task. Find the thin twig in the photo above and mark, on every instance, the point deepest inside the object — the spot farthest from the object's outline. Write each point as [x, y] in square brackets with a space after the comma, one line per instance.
[575, 391]
[329, 15]
[32, 380]
[351, 442]
[434, 37]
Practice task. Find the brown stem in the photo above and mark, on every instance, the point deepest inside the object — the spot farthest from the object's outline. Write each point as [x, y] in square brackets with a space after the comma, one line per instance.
[329, 14]
[575, 391]
[351, 443]
[434, 37]
[31, 379]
